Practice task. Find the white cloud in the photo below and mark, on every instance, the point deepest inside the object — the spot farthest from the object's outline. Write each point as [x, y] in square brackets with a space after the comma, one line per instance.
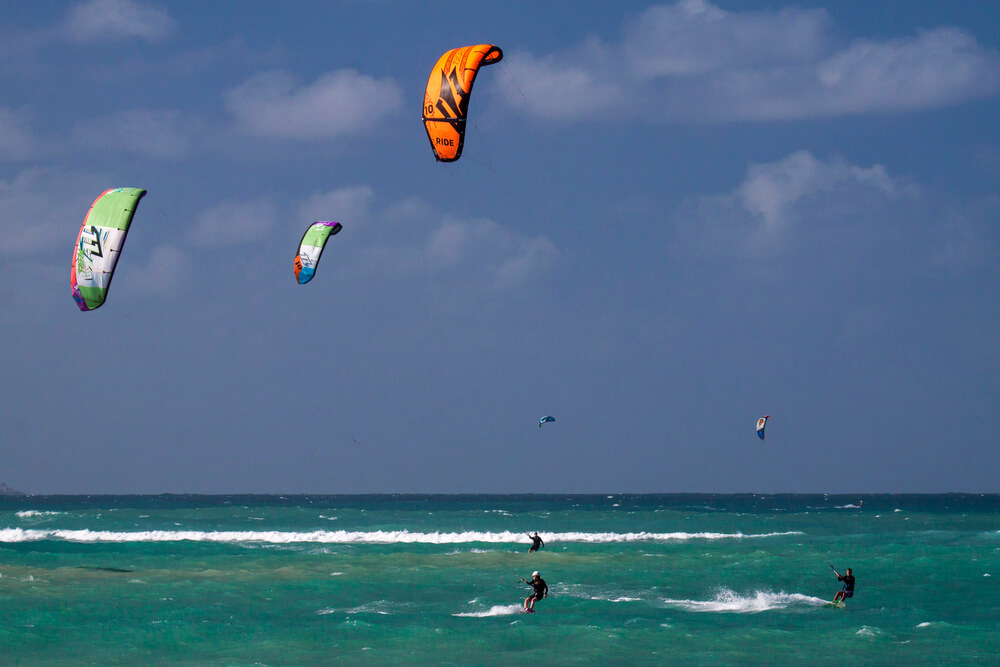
[33, 221]
[526, 257]
[693, 61]
[349, 205]
[414, 242]
[803, 209]
[550, 88]
[936, 68]
[472, 254]
[99, 20]
[396, 245]
[234, 223]
[155, 134]
[16, 141]
[772, 190]
[696, 38]
[338, 103]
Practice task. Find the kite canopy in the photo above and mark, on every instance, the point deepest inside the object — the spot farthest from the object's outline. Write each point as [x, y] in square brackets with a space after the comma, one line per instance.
[311, 248]
[761, 423]
[545, 419]
[99, 244]
[446, 101]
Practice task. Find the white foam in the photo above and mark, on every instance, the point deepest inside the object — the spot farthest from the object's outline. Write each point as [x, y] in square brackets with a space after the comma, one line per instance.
[368, 608]
[378, 607]
[24, 514]
[924, 624]
[349, 537]
[495, 610]
[729, 601]
[867, 631]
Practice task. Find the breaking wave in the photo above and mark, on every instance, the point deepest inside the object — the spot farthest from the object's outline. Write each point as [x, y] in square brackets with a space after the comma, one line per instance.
[729, 601]
[495, 610]
[352, 537]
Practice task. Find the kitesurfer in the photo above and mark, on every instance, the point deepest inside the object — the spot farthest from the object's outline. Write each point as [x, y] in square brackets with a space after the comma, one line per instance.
[848, 591]
[541, 591]
[536, 542]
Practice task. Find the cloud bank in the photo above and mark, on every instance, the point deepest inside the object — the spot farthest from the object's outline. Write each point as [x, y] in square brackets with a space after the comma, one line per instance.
[273, 104]
[112, 20]
[693, 61]
[33, 221]
[232, 223]
[814, 211]
[771, 191]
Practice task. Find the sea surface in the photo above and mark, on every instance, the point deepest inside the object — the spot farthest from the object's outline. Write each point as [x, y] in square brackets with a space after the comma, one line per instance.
[378, 580]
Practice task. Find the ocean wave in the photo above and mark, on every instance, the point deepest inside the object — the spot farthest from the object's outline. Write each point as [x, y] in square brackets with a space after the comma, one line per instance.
[729, 601]
[620, 598]
[495, 610]
[588, 592]
[380, 607]
[24, 514]
[352, 537]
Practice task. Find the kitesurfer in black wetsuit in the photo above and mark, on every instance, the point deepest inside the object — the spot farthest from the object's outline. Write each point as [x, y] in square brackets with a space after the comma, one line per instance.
[536, 542]
[848, 591]
[541, 591]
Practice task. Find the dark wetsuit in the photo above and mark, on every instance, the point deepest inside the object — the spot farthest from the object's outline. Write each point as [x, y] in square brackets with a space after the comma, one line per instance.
[848, 580]
[536, 543]
[541, 588]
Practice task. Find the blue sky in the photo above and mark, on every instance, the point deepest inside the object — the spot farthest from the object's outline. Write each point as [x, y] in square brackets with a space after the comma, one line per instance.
[668, 220]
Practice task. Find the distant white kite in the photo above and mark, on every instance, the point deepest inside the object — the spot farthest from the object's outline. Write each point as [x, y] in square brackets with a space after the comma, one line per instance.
[761, 423]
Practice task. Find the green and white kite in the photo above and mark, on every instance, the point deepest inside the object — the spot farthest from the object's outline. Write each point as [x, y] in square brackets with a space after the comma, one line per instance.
[100, 243]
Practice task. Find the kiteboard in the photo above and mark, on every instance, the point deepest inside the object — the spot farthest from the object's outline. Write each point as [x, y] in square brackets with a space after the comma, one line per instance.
[528, 611]
[838, 605]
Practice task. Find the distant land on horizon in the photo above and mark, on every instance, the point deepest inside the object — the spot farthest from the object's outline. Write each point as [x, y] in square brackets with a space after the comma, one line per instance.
[7, 491]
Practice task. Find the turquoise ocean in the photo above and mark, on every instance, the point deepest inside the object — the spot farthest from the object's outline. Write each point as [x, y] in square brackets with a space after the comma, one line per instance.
[374, 580]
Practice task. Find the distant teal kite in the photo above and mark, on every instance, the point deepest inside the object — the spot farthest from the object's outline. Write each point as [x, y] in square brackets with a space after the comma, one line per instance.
[544, 419]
